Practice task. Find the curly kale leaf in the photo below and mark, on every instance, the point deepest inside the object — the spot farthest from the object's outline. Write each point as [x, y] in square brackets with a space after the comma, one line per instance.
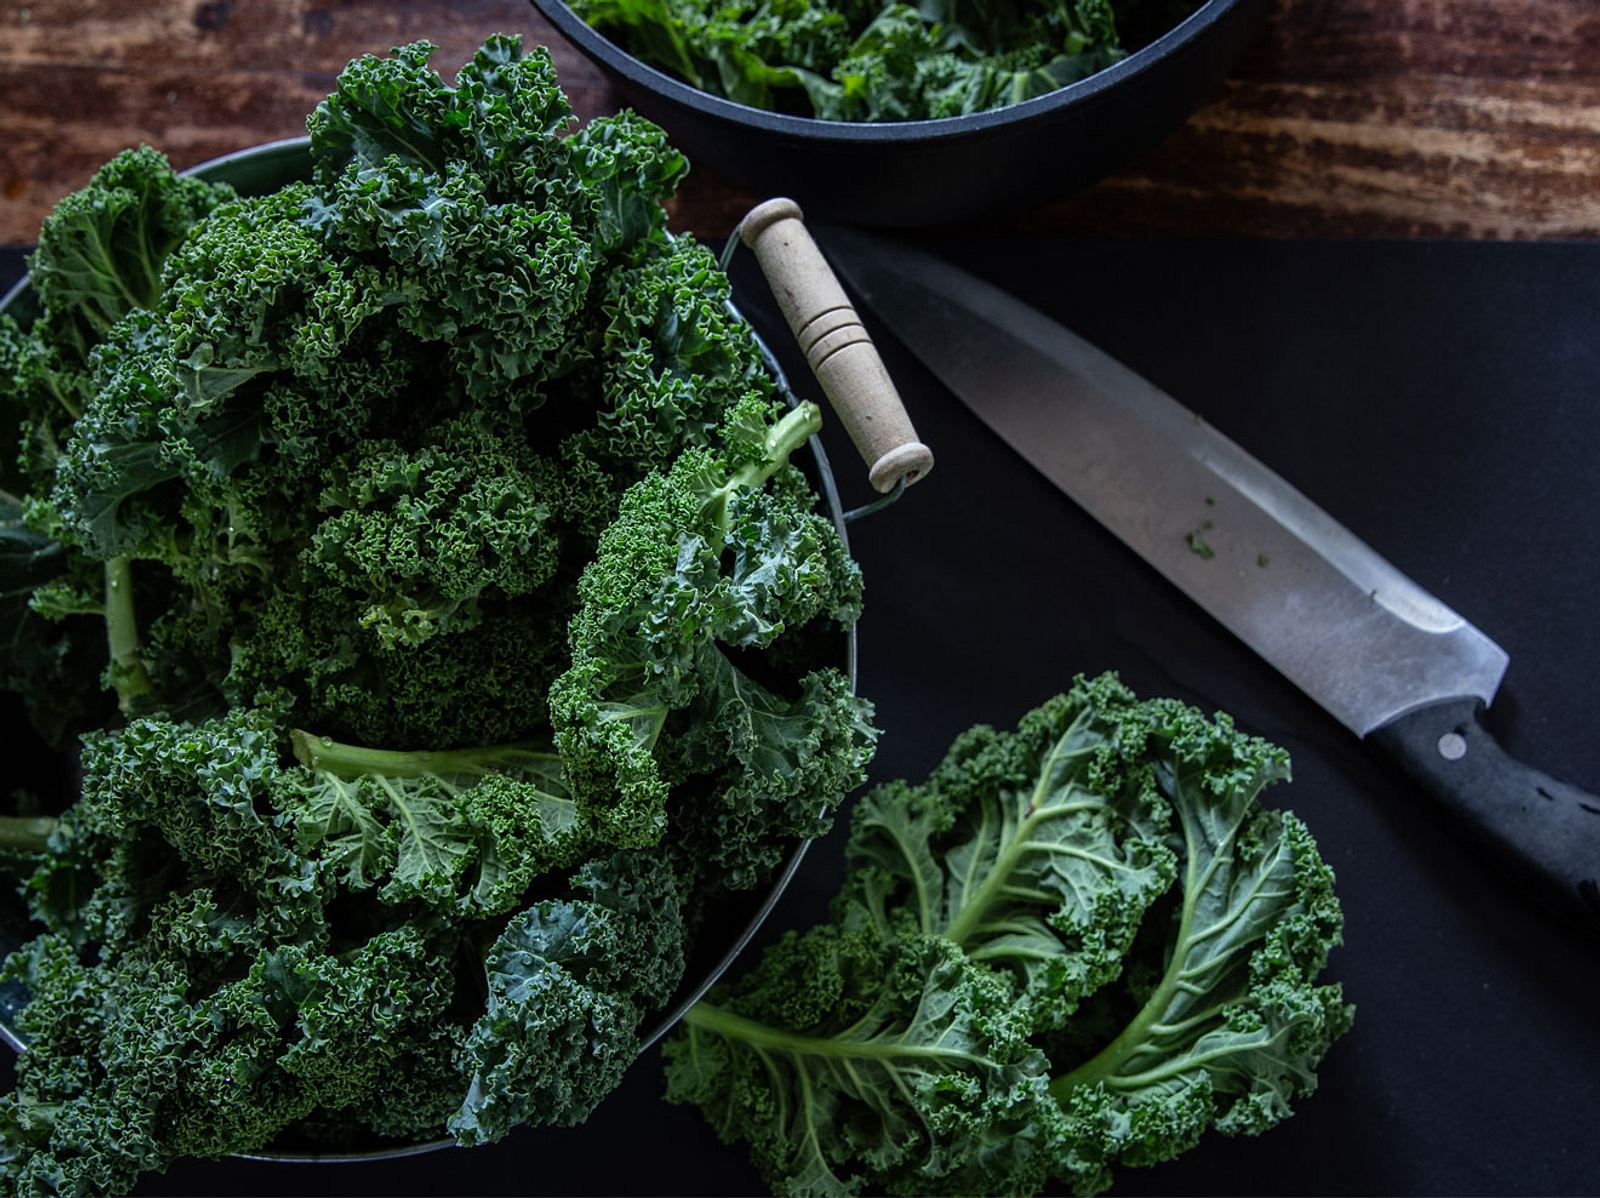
[1104, 885]
[465, 831]
[925, 1077]
[1235, 1025]
[115, 456]
[416, 539]
[199, 785]
[128, 1069]
[1039, 850]
[175, 846]
[877, 61]
[425, 603]
[700, 562]
[678, 361]
[629, 165]
[173, 807]
[569, 982]
[788, 762]
[102, 248]
[253, 290]
[381, 107]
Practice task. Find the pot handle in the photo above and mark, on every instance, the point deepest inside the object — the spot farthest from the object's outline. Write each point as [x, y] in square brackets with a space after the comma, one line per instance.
[836, 345]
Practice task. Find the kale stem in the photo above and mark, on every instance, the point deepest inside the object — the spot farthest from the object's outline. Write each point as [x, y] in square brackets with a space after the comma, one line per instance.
[1109, 1059]
[788, 435]
[122, 635]
[328, 756]
[25, 833]
[1113, 1056]
[725, 1023]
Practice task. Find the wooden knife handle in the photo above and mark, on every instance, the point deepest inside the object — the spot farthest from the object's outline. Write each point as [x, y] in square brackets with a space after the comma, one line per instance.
[836, 345]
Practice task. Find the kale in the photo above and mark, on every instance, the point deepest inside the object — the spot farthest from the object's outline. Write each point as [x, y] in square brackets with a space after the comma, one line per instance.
[354, 440]
[854, 61]
[1075, 946]
[101, 251]
[461, 830]
[238, 985]
[567, 984]
[701, 562]
[413, 561]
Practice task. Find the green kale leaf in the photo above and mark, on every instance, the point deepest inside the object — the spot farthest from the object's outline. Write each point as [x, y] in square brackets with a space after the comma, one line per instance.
[1075, 946]
[463, 830]
[568, 983]
[701, 561]
[851, 61]
[101, 250]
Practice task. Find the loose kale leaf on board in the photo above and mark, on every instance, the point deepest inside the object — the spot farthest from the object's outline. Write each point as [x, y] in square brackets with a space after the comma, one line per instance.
[1129, 939]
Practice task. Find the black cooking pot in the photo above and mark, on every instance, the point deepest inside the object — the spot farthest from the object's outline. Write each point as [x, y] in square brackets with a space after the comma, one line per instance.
[947, 171]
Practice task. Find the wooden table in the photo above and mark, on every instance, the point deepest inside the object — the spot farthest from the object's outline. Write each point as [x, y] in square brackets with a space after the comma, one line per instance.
[1408, 118]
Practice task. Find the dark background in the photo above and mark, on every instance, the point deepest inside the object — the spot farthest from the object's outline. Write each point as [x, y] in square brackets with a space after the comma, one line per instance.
[1440, 399]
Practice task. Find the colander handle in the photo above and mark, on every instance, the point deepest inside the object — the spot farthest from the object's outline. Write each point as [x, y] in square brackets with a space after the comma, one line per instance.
[836, 345]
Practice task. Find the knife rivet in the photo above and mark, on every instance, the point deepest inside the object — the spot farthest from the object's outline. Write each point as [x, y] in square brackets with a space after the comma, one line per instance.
[1452, 746]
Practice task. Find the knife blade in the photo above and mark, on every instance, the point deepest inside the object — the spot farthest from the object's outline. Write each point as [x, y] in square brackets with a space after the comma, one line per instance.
[1385, 658]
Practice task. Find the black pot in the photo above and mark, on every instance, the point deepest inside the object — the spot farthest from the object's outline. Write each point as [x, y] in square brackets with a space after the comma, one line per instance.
[948, 171]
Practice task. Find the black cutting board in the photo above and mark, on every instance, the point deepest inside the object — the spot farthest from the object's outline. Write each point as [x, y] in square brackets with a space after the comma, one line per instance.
[1441, 400]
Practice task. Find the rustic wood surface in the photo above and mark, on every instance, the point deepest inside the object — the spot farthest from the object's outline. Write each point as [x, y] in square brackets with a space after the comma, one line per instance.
[1408, 118]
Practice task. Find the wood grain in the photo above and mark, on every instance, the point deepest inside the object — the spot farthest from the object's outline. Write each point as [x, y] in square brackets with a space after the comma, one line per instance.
[1407, 118]
[1452, 118]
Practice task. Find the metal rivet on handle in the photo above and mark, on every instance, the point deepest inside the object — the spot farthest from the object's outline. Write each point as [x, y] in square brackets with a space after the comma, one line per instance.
[1452, 746]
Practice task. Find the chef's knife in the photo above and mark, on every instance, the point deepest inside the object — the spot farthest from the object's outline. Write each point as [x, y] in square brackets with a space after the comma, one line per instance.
[1381, 655]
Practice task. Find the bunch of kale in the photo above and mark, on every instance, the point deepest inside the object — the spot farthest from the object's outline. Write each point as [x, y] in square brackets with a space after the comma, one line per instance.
[1076, 946]
[867, 60]
[413, 556]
